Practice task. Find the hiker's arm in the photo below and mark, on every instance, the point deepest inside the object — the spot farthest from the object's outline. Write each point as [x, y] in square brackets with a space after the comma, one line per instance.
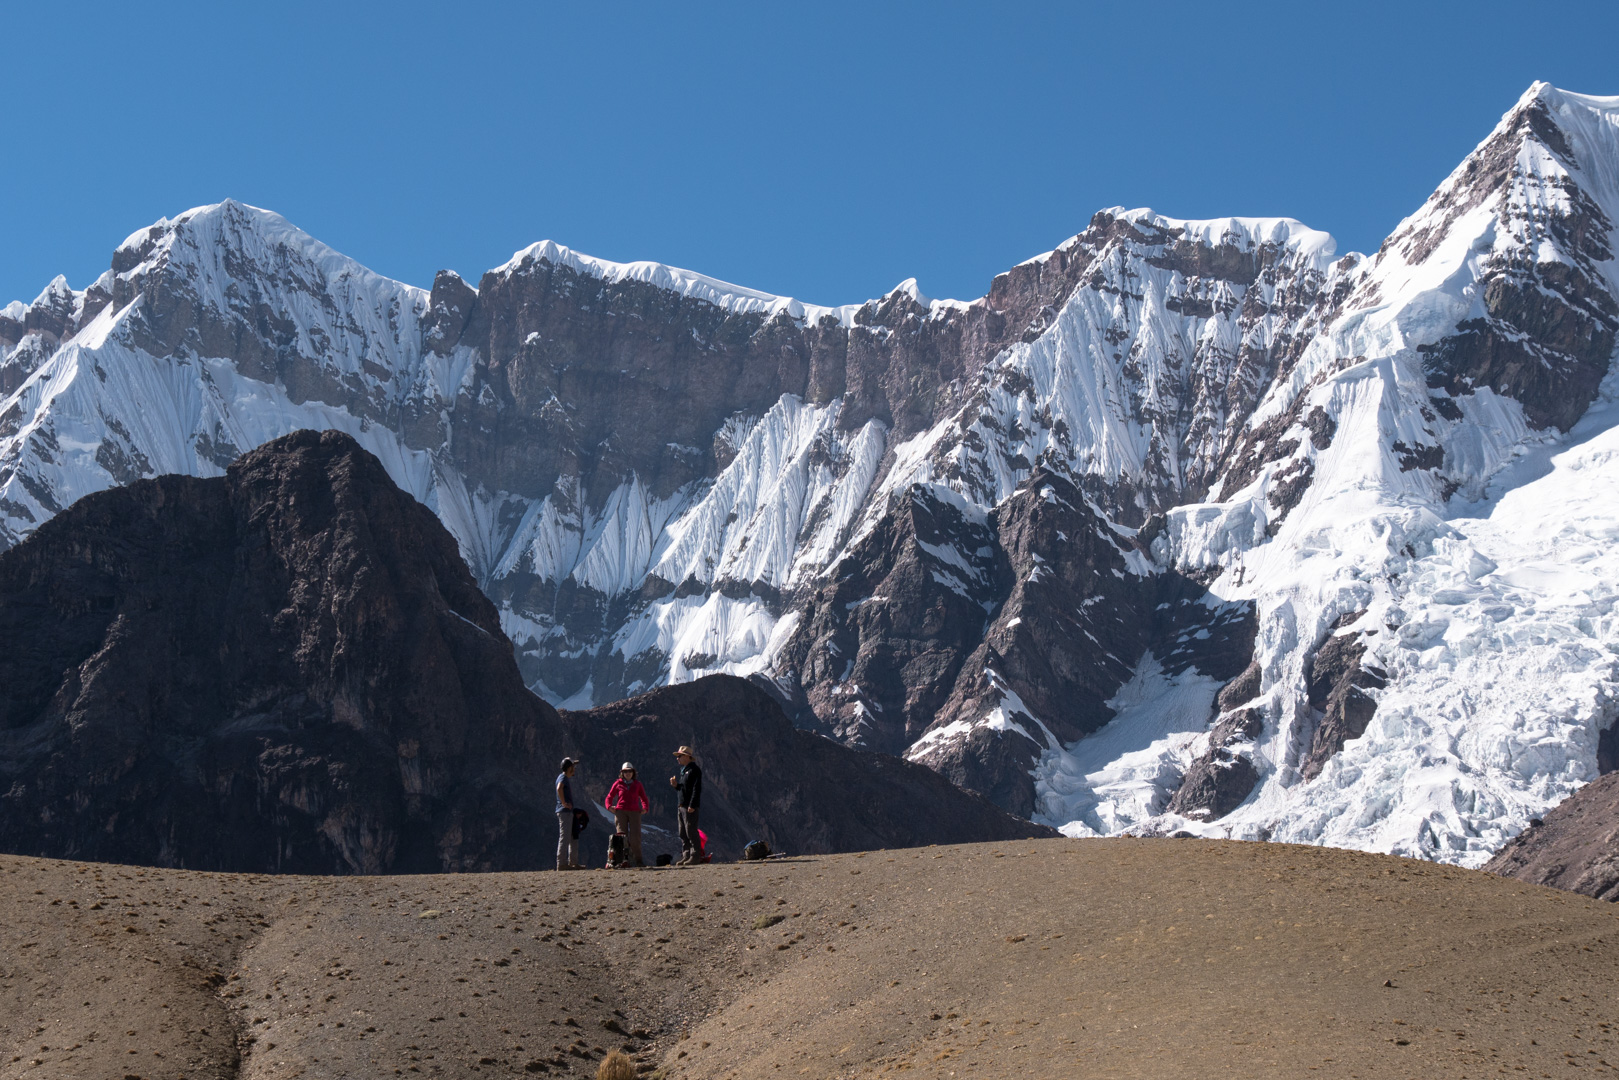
[567, 803]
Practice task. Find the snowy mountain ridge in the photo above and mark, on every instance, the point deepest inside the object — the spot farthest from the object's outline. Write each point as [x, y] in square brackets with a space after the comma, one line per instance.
[727, 297]
[1183, 526]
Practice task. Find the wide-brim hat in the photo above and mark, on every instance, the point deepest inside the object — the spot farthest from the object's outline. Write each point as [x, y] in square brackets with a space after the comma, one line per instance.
[685, 751]
[626, 767]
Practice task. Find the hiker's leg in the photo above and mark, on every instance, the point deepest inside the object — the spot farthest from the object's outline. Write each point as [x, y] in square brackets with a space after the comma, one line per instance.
[688, 832]
[565, 853]
[632, 829]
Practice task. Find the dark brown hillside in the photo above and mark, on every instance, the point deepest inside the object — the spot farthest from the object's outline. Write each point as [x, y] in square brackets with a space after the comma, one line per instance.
[766, 780]
[1576, 847]
[285, 668]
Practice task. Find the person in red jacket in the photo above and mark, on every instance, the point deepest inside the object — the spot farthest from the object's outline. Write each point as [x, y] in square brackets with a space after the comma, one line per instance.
[627, 800]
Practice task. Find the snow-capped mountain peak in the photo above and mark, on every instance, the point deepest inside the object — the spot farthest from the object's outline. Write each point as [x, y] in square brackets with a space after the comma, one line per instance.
[1182, 525]
[1403, 707]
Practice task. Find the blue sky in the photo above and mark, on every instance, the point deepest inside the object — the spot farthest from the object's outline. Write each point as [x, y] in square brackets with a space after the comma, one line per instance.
[823, 151]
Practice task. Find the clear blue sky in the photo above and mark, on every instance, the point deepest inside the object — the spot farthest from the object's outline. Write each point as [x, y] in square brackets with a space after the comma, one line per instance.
[824, 151]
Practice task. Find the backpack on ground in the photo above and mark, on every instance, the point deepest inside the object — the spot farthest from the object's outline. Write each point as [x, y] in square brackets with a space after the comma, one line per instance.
[756, 851]
[618, 849]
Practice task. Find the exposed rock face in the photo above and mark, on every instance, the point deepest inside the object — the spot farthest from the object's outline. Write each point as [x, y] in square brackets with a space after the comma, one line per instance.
[764, 779]
[1576, 847]
[29, 335]
[1223, 776]
[1338, 680]
[628, 373]
[1216, 784]
[972, 646]
[878, 650]
[286, 668]
[1071, 616]
[1547, 331]
[1082, 607]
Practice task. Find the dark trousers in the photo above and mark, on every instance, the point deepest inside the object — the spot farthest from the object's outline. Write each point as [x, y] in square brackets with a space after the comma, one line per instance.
[690, 844]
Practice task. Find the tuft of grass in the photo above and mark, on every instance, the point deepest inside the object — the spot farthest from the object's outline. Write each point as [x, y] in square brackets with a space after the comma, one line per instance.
[765, 922]
[616, 1066]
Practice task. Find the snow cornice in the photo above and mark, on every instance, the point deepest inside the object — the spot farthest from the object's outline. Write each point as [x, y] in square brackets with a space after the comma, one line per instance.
[725, 295]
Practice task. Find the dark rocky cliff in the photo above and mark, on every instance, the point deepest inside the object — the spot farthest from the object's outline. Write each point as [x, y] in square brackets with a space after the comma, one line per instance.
[908, 645]
[287, 668]
[1575, 847]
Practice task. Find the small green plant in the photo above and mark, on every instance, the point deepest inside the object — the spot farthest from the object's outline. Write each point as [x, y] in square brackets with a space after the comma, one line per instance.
[765, 922]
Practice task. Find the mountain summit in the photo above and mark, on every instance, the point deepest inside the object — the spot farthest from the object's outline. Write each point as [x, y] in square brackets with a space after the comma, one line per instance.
[1183, 526]
[287, 668]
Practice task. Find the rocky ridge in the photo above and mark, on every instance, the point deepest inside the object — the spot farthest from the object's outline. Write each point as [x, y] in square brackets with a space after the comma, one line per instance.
[1576, 847]
[764, 779]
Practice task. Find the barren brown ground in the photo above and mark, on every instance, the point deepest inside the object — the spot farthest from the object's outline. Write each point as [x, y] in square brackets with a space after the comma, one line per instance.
[1061, 958]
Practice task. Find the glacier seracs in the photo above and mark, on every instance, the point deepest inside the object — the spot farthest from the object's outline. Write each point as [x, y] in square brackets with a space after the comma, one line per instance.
[1487, 604]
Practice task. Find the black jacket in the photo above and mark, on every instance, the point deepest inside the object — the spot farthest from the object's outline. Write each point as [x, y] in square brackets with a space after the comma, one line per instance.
[691, 787]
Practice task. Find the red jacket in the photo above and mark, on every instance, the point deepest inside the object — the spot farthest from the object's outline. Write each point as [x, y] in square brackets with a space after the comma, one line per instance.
[630, 796]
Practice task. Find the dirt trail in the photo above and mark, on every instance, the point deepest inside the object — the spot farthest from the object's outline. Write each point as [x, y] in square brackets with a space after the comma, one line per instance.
[1063, 958]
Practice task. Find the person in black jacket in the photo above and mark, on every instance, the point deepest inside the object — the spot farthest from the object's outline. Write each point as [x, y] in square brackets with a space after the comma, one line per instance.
[689, 783]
